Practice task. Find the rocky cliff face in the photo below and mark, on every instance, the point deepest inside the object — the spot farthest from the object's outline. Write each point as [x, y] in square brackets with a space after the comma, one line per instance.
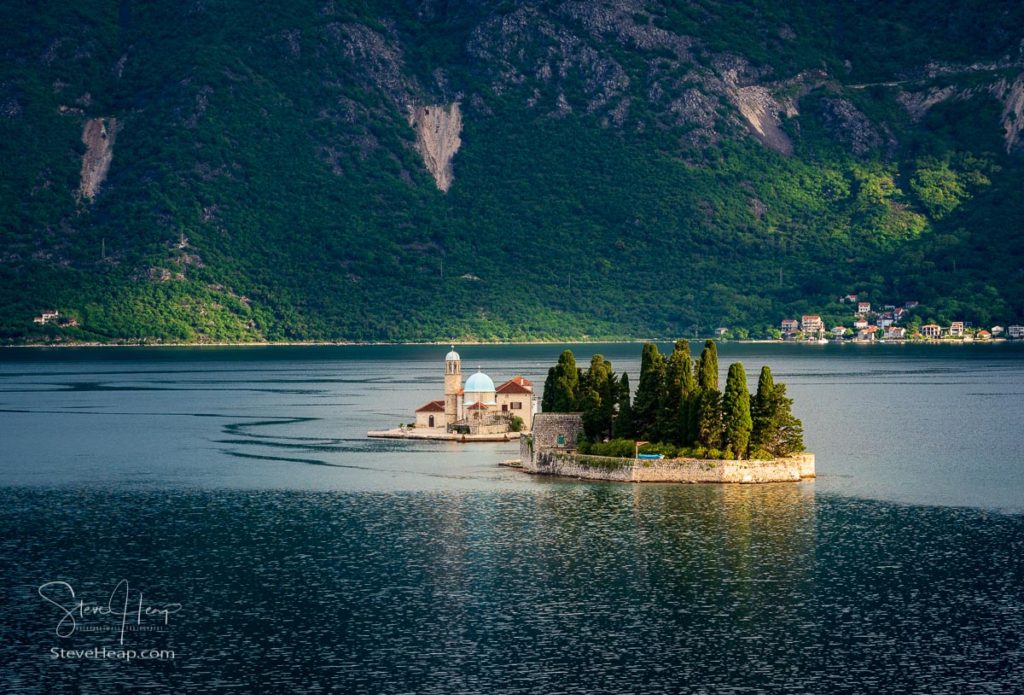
[437, 139]
[98, 135]
[1009, 93]
[1012, 96]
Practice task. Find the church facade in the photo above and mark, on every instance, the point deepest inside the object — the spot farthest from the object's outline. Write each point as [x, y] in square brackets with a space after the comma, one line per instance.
[478, 406]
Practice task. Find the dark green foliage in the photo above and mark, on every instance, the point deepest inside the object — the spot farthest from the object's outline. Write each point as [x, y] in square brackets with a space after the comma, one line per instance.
[564, 395]
[736, 412]
[272, 141]
[761, 411]
[674, 424]
[650, 392]
[624, 428]
[621, 448]
[776, 430]
[547, 401]
[599, 392]
[626, 449]
[709, 418]
[723, 426]
[707, 366]
[705, 417]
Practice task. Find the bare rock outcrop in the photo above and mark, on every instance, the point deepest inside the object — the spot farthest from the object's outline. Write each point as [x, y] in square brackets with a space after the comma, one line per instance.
[1009, 93]
[437, 138]
[764, 106]
[764, 116]
[98, 135]
[848, 125]
[1012, 117]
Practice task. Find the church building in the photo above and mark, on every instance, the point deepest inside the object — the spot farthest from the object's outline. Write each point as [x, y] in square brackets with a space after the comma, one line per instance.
[478, 407]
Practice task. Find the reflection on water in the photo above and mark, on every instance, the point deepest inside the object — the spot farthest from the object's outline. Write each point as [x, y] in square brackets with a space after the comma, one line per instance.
[311, 559]
[567, 588]
[915, 424]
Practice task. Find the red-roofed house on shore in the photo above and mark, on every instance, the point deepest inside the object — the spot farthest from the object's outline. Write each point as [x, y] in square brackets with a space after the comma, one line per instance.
[430, 415]
[515, 397]
[811, 324]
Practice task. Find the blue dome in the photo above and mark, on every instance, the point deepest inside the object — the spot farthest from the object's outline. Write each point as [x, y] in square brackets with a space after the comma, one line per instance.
[479, 383]
[452, 356]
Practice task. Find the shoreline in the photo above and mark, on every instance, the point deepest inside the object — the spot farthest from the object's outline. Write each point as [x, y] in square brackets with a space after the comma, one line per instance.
[439, 435]
[567, 341]
[573, 465]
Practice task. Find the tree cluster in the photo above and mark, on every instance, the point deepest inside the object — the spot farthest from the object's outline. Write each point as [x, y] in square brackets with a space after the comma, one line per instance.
[678, 404]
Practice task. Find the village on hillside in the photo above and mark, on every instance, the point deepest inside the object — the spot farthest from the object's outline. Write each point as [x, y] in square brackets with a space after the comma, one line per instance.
[891, 323]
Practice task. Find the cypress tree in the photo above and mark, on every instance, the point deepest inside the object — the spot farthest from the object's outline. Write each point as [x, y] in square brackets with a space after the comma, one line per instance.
[650, 392]
[707, 366]
[736, 411]
[789, 431]
[673, 423]
[624, 418]
[761, 412]
[777, 431]
[590, 404]
[709, 418]
[547, 401]
[692, 414]
[599, 394]
[562, 388]
[706, 404]
[567, 382]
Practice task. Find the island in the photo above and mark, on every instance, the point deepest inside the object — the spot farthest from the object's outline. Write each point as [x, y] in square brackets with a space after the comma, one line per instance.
[679, 427]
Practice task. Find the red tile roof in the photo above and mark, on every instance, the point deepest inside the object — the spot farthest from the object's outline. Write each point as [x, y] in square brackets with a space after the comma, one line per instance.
[478, 406]
[431, 407]
[516, 384]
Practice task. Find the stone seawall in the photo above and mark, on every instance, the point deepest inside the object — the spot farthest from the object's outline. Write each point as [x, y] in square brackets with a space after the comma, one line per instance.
[573, 465]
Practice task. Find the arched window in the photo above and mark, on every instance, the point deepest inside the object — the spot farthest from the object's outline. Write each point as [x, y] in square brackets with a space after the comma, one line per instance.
[430, 421]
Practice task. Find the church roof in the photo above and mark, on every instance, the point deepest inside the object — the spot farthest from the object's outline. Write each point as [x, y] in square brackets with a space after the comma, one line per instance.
[452, 356]
[478, 406]
[479, 383]
[515, 386]
[431, 407]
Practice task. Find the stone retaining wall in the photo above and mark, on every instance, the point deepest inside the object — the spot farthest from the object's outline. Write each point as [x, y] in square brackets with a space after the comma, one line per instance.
[573, 465]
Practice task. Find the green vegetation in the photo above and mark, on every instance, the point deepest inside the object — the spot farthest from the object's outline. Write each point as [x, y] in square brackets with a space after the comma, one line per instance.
[728, 427]
[264, 183]
[736, 412]
[650, 393]
[562, 386]
[776, 432]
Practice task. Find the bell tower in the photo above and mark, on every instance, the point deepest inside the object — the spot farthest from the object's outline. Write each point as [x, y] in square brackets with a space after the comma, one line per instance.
[452, 386]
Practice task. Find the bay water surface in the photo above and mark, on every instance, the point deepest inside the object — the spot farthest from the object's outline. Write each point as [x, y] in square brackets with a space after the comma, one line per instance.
[238, 483]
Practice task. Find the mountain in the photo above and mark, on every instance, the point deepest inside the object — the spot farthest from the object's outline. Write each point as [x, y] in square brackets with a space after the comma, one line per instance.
[222, 170]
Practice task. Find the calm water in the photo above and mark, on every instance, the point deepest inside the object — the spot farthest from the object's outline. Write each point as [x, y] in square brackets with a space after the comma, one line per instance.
[306, 558]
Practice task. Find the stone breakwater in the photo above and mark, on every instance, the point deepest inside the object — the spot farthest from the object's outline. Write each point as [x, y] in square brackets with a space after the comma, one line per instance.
[575, 465]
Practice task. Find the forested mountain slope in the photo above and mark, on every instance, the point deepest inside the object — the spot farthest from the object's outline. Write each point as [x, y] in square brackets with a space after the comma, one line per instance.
[226, 170]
